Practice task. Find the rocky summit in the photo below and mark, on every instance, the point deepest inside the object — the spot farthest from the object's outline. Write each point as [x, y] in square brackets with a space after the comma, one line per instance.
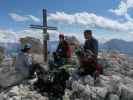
[21, 92]
[115, 83]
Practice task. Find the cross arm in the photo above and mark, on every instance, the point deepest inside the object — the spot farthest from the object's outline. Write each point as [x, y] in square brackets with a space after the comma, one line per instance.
[43, 27]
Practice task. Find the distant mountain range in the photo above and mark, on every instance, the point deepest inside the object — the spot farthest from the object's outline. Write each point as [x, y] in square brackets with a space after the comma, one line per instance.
[122, 46]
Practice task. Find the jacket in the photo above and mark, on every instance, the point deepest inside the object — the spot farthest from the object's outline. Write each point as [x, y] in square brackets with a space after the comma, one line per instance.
[63, 49]
[91, 45]
[23, 63]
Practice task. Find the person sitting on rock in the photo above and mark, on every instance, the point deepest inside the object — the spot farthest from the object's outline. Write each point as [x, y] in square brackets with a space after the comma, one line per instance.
[24, 60]
[61, 56]
[24, 65]
[87, 55]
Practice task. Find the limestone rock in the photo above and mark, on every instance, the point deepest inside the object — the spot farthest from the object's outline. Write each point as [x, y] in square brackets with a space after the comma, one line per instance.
[37, 46]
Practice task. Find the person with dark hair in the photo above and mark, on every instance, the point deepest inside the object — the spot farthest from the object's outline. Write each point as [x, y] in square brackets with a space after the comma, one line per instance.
[87, 56]
[91, 43]
[91, 52]
[62, 47]
[62, 52]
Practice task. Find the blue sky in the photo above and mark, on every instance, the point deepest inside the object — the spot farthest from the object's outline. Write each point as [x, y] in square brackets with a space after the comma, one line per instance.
[107, 18]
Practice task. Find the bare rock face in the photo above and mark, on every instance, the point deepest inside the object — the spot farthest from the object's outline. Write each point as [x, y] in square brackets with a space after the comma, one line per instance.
[116, 82]
[37, 46]
[72, 39]
[1, 54]
[38, 58]
[113, 97]
[21, 92]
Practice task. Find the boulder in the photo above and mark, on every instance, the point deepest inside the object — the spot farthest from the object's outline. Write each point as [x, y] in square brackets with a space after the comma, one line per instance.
[113, 97]
[37, 46]
[72, 40]
[1, 54]
[21, 92]
[126, 92]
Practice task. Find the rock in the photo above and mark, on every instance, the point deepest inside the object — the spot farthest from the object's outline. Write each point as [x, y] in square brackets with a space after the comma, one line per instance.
[76, 86]
[16, 98]
[7, 79]
[13, 92]
[72, 40]
[113, 97]
[100, 91]
[37, 58]
[21, 92]
[37, 46]
[1, 54]
[116, 83]
[126, 92]
[88, 80]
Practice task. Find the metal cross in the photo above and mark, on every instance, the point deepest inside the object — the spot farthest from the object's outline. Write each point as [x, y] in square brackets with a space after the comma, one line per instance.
[44, 27]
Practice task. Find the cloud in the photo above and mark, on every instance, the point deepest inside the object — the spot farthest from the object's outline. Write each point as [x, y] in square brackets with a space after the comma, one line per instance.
[131, 33]
[128, 17]
[103, 39]
[7, 36]
[18, 18]
[122, 9]
[35, 19]
[13, 37]
[90, 19]
[22, 18]
[30, 33]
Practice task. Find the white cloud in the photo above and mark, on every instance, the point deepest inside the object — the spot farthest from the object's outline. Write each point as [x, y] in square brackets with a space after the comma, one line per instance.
[35, 19]
[22, 18]
[7, 36]
[18, 18]
[12, 36]
[103, 39]
[122, 9]
[128, 17]
[38, 34]
[30, 33]
[90, 19]
[131, 34]
[129, 3]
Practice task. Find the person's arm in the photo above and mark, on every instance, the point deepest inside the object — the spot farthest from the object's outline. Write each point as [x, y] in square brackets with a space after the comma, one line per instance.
[58, 50]
[58, 47]
[28, 60]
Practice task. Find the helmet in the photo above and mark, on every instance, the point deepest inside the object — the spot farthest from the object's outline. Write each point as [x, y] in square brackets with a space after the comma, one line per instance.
[26, 46]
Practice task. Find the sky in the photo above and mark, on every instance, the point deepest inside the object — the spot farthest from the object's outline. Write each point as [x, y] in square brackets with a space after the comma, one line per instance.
[108, 19]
